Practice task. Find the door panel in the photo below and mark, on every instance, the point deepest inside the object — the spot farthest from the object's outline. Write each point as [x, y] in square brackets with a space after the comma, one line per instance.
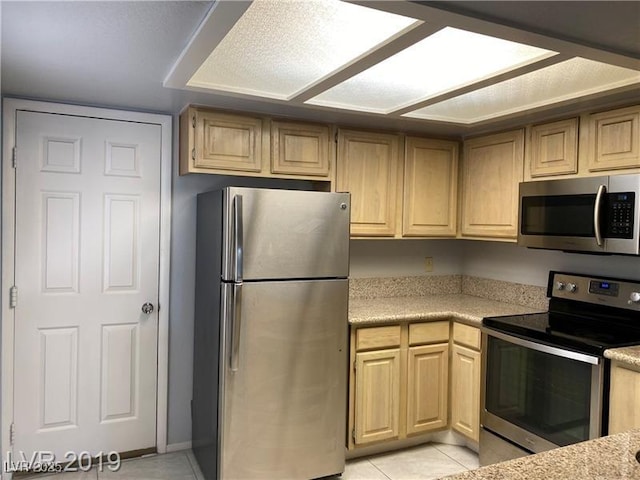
[285, 406]
[427, 386]
[288, 234]
[87, 249]
[377, 412]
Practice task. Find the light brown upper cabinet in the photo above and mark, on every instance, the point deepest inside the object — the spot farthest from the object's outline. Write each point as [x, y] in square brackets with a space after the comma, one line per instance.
[220, 141]
[491, 171]
[396, 195]
[300, 149]
[236, 144]
[552, 149]
[614, 140]
[369, 168]
[430, 187]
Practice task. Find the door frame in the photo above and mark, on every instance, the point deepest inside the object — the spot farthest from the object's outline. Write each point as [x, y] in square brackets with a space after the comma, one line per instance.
[10, 107]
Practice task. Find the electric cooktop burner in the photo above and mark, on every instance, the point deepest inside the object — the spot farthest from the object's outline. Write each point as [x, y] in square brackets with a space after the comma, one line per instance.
[586, 314]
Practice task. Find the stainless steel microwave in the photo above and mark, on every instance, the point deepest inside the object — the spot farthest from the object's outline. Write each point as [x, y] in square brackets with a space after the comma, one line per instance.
[595, 214]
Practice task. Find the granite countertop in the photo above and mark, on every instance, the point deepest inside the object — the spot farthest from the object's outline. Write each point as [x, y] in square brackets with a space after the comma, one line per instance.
[606, 458]
[628, 355]
[465, 308]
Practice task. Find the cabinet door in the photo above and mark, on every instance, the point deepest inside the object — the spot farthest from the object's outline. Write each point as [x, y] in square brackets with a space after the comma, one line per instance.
[492, 169]
[368, 168]
[377, 410]
[299, 149]
[430, 187]
[227, 142]
[465, 391]
[427, 387]
[615, 140]
[624, 399]
[554, 149]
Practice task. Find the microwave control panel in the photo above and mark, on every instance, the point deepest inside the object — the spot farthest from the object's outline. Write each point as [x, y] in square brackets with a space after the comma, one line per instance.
[621, 215]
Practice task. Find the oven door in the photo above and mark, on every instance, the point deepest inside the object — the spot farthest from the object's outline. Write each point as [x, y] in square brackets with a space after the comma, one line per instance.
[537, 396]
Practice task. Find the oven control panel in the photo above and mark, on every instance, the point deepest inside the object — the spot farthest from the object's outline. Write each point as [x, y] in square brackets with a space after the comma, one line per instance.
[602, 291]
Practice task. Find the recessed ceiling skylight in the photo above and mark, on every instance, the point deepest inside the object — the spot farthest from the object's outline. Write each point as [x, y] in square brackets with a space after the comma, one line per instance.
[441, 62]
[279, 47]
[564, 81]
[400, 59]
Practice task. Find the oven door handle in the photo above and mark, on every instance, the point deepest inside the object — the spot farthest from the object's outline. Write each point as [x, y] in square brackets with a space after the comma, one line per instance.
[541, 347]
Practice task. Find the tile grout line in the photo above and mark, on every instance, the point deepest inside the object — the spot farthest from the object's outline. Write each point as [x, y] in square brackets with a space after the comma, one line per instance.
[379, 469]
[445, 453]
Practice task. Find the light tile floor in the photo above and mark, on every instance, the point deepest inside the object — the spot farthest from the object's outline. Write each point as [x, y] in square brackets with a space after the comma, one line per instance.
[431, 461]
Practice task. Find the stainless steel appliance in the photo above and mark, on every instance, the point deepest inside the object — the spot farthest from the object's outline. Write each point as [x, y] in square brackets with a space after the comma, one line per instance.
[595, 214]
[270, 350]
[544, 376]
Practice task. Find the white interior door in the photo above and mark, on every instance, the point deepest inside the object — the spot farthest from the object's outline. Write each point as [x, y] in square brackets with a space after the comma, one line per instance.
[87, 256]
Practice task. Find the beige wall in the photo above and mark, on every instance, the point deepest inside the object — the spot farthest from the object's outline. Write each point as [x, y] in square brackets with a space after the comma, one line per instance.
[495, 260]
[398, 258]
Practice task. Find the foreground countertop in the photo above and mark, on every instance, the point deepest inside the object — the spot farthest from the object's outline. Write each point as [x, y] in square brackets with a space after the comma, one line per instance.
[461, 307]
[628, 355]
[606, 458]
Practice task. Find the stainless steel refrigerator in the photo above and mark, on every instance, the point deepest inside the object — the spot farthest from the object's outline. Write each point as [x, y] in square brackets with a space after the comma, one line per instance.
[270, 350]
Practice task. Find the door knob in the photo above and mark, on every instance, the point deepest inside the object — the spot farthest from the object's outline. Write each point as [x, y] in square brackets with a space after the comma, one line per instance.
[147, 308]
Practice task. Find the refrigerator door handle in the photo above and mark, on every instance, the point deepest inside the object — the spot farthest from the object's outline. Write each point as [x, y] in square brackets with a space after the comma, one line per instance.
[238, 237]
[236, 319]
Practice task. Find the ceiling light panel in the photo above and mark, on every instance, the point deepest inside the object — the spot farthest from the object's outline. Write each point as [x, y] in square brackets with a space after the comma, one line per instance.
[279, 47]
[448, 59]
[564, 81]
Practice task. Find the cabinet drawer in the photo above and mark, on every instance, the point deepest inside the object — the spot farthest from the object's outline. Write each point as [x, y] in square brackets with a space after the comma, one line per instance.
[466, 335]
[378, 337]
[428, 332]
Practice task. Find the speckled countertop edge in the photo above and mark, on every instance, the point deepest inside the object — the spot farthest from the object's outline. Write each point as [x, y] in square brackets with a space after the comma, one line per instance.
[627, 355]
[606, 458]
[461, 307]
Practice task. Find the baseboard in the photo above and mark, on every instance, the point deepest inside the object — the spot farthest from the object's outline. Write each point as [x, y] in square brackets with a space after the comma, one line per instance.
[178, 447]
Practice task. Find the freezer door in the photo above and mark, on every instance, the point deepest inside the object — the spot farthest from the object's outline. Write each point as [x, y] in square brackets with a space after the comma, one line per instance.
[284, 401]
[284, 234]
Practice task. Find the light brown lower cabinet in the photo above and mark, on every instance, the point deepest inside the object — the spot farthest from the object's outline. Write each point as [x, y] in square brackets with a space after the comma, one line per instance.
[427, 388]
[399, 381]
[624, 398]
[465, 381]
[465, 391]
[377, 396]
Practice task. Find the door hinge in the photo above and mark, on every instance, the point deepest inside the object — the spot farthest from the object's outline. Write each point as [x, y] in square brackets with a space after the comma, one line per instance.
[353, 435]
[14, 159]
[193, 154]
[193, 122]
[12, 433]
[13, 297]
[355, 366]
[335, 138]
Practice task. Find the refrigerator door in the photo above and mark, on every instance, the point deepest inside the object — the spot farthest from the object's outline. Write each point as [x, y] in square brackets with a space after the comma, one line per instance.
[284, 234]
[283, 410]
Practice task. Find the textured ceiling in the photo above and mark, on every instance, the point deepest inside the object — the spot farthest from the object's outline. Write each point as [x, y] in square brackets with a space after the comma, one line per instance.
[117, 54]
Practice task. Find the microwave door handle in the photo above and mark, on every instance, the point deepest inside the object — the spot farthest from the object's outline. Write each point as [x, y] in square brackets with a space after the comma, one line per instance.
[602, 189]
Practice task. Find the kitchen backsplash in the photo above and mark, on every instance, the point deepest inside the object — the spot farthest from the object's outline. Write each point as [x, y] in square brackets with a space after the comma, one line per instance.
[404, 286]
[516, 293]
[527, 295]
